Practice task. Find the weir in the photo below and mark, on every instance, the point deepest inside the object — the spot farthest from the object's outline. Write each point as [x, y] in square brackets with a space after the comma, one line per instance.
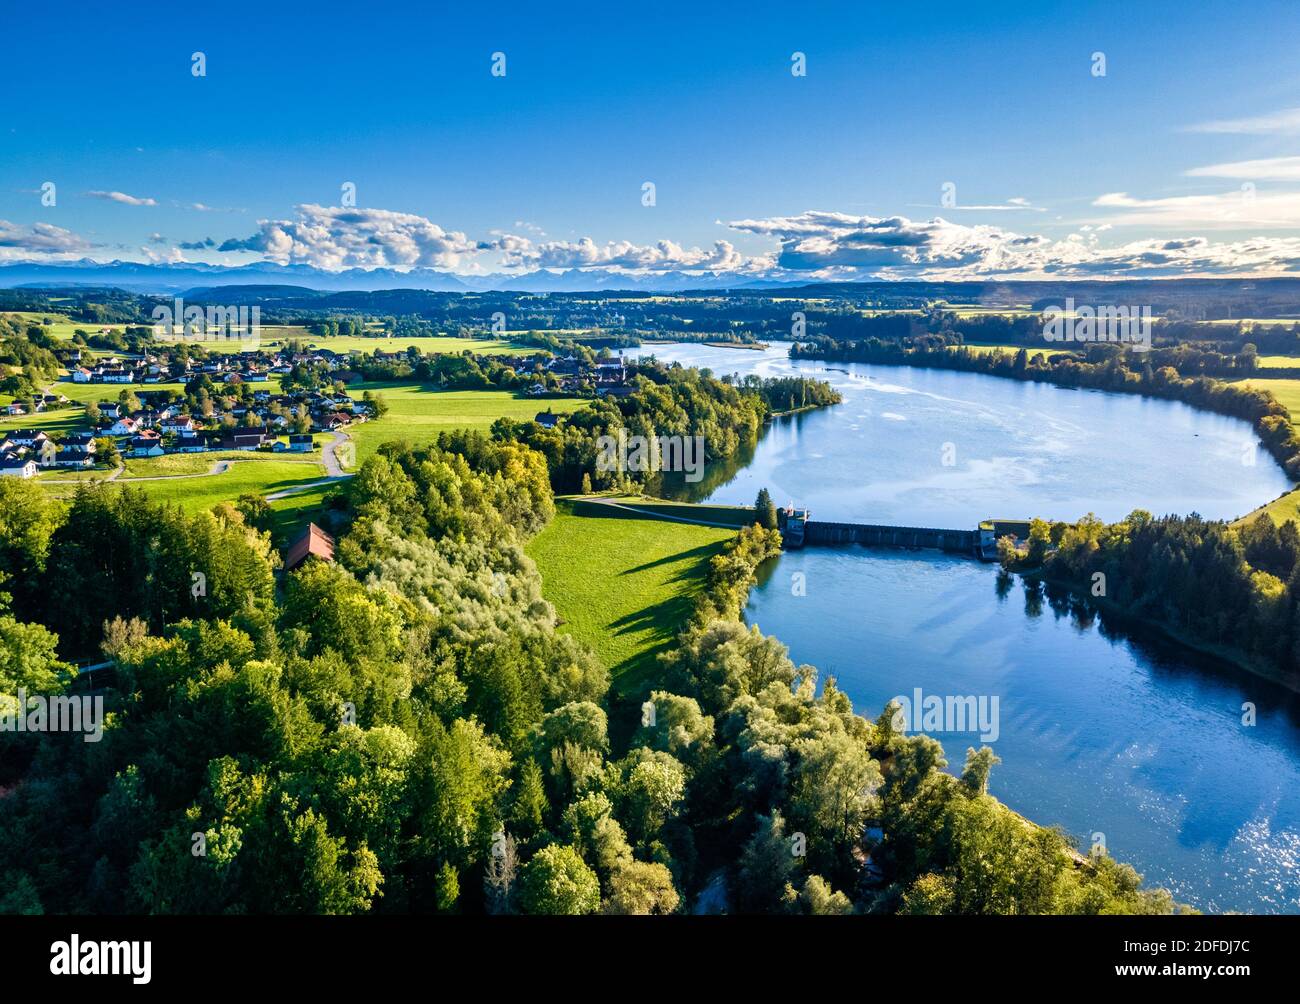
[799, 529]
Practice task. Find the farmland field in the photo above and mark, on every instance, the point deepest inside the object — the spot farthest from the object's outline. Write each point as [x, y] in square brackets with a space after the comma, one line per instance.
[418, 413]
[622, 584]
[1286, 391]
[979, 349]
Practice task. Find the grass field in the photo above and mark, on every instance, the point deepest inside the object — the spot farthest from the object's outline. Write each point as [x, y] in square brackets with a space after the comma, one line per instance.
[1277, 362]
[1286, 507]
[624, 585]
[986, 349]
[1285, 390]
[417, 413]
[275, 336]
[255, 473]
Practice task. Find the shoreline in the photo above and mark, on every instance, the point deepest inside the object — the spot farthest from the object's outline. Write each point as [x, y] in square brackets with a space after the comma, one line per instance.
[1231, 655]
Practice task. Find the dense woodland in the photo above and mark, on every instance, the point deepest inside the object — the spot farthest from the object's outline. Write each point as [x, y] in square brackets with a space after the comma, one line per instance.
[404, 730]
[1157, 570]
[670, 401]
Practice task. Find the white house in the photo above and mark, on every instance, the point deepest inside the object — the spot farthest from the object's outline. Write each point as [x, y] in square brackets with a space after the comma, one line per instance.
[147, 446]
[125, 426]
[17, 467]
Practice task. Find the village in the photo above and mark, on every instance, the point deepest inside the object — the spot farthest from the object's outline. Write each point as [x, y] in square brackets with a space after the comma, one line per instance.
[221, 411]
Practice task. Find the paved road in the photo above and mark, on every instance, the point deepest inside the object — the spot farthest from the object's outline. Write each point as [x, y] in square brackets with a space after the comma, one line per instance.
[218, 467]
[652, 514]
[333, 467]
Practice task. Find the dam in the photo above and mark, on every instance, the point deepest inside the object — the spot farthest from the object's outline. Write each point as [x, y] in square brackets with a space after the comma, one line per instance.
[798, 529]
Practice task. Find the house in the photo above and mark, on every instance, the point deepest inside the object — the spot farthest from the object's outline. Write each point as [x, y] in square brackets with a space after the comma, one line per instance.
[537, 390]
[546, 419]
[109, 409]
[81, 375]
[26, 437]
[117, 376]
[313, 542]
[301, 443]
[73, 458]
[15, 408]
[611, 371]
[334, 420]
[79, 442]
[17, 467]
[182, 425]
[561, 367]
[243, 439]
[127, 426]
[147, 446]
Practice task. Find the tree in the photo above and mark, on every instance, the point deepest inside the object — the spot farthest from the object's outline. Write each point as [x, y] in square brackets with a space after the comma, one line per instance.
[766, 866]
[256, 511]
[975, 775]
[765, 510]
[651, 791]
[106, 451]
[556, 881]
[528, 807]
[641, 888]
[586, 483]
[818, 899]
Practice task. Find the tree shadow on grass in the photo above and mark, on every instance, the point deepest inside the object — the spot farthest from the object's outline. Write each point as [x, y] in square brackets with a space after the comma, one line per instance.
[699, 566]
[662, 620]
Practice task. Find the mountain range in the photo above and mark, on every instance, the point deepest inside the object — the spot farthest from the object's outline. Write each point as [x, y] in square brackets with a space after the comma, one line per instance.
[145, 277]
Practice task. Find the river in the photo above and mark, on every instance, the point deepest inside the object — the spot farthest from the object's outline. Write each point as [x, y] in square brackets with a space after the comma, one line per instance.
[1117, 737]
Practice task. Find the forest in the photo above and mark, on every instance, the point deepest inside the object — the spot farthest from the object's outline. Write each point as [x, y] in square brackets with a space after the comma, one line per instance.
[404, 729]
[1155, 570]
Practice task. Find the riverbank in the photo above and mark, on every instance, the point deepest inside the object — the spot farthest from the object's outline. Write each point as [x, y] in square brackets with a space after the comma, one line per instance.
[1136, 625]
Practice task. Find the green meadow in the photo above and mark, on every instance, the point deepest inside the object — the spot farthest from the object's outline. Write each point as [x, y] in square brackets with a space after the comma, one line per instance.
[1287, 391]
[623, 584]
[417, 413]
[1283, 508]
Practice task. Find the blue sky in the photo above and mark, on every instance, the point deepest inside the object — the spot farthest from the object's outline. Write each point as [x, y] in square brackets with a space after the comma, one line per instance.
[459, 169]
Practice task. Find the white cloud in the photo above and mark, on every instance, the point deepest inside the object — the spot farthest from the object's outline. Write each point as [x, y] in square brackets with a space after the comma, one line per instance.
[1269, 169]
[1282, 123]
[39, 240]
[521, 252]
[169, 255]
[334, 238]
[122, 197]
[1019, 204]
[1237, 209]
[839, 246]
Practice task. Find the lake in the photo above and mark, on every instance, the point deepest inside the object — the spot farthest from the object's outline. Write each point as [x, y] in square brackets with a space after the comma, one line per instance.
[1117, 737]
